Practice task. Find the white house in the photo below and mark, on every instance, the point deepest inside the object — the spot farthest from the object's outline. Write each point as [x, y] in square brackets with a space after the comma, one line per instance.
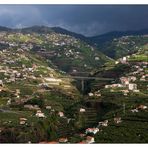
[97, 58]
[103, 123]
[40, 114]
[48, 107]
[90, 139]
[61, 114]
[117, 120]
[124, 59]
[116, 62]
[23, 121]
[90, 94]
[91, 130]
[132, 86]
[82, 110]
[1, 83]
[134, 111]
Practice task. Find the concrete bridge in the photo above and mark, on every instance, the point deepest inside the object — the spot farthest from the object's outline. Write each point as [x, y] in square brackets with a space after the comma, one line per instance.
[83, 78]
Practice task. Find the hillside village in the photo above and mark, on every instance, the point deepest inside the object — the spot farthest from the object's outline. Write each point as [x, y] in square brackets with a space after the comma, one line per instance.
[57, 47]
[36, 99]
[133, 83]
[128, 84]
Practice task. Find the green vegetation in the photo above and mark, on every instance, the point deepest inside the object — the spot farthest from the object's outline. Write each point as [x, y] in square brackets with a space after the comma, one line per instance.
[139, 58]
[51, 107]
[123, 46]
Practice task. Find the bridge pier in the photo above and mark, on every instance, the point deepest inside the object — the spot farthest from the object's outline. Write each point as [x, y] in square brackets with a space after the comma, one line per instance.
[82, 85]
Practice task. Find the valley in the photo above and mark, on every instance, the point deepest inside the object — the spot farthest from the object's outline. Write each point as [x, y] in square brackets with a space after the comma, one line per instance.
[58, 87]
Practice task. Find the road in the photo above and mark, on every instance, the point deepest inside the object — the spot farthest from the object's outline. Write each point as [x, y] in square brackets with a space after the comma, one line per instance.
[87, 78]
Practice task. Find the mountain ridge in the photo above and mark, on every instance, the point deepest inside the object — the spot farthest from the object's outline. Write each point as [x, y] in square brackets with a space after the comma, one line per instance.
[57, 29]
[116, 34]
[103, 43]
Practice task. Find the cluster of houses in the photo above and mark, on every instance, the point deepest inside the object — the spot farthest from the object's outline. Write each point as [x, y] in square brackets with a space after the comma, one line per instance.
[12, 74]
[125, 41]
[91, 139]
[60, 45]
[65, 46]
[58, 39]
[86, 136]
[129, 82]
[13, 69]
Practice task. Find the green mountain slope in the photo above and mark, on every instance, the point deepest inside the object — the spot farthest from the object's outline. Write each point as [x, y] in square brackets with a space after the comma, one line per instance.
[123, 46]
[65, 52]
[40, 102]
[130, 101]
[29, 84]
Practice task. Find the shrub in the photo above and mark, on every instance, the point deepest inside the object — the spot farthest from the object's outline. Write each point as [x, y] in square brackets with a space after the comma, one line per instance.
[34, 101]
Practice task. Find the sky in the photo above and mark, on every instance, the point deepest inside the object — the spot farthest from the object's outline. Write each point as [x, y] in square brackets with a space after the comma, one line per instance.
[89, 20]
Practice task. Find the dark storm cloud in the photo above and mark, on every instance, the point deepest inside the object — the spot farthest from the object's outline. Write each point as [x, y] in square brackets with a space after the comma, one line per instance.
[85, 19]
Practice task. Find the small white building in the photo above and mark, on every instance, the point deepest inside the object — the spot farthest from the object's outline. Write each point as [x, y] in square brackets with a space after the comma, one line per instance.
[82, 110]
[124, 59]
[116, 62]
[23, 121]
[134, 111]
[61, 114]
[90, 139]
[40, 114]
[48, 107]
[107, 86]
[97, 58]
[103, 123]
[137, 90]
[91, 130]
[1, 83]
[117, 120]
[132, 86]
[90, 94]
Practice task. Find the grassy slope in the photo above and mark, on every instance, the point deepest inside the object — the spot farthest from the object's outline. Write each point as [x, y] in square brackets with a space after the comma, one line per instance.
[123, 46]
[134, 126]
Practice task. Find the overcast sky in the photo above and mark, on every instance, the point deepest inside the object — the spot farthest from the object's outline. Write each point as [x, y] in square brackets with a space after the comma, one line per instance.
[88, 20]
